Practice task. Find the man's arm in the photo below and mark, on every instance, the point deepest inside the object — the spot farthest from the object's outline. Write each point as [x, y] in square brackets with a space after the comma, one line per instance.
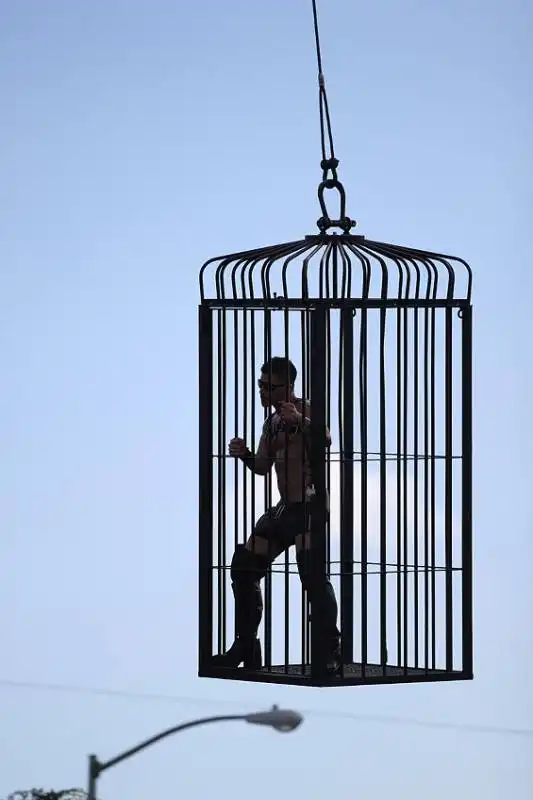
[305, 423]
[261, 462]
[306, 428]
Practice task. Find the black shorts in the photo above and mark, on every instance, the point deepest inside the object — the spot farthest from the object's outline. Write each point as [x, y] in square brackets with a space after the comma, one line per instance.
[281, 524]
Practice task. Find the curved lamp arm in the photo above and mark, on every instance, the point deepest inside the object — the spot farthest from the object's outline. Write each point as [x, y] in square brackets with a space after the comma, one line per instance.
[283, 720]
[101, 766]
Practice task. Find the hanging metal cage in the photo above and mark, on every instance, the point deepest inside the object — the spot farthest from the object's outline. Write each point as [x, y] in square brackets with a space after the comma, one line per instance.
[382, 336]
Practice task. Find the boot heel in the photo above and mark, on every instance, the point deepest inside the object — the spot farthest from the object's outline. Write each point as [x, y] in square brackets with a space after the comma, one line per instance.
[254, 659]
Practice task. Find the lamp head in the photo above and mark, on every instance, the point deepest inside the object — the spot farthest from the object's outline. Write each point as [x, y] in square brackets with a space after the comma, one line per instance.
[283, 720]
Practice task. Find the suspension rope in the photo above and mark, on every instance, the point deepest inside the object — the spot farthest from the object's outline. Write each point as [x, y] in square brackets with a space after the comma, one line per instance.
[329, 162]
[325, 119]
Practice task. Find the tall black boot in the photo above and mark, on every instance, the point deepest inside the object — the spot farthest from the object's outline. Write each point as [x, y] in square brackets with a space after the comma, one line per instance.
[247, 569]
[324, 606]
[324, 598]
[332, 638]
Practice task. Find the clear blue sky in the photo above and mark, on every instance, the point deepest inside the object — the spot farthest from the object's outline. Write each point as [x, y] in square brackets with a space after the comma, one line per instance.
[138, 139]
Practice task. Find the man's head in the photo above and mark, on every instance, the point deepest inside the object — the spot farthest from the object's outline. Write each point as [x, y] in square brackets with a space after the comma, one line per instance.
[276, 383]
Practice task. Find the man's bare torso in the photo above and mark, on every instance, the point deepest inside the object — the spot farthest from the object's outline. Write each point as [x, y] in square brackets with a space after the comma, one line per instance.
[291, 459]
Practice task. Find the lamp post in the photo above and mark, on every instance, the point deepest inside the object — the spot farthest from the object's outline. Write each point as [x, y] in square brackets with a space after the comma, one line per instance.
[282, 720]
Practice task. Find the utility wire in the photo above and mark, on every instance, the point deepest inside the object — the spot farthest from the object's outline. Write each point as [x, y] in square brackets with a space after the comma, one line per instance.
[165, 698]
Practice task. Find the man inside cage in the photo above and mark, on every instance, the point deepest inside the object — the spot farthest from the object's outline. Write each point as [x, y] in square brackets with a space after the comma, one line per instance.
[284, 444]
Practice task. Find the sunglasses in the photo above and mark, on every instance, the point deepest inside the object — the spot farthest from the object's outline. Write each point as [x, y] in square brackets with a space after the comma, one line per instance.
[269, 386]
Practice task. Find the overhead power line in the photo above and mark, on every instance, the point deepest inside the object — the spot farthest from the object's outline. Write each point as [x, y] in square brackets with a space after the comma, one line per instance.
[166, 698]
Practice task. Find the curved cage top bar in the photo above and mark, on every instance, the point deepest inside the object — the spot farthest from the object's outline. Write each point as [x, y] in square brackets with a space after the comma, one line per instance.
[344, 267]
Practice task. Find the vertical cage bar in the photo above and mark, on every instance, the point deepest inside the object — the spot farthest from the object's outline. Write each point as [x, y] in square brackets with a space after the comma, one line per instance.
[238, 430]
[405, 499]
[267, 615]
[318, 465]
[415, 422]
[432, 494]
[286, 595]
[363, 422]
[246, 406]
[221, 386]
[205, 517]
[427, 622]
[399, 519]
[347, 483]
[466, 527]
[304, 332]
[448, 486]
[329, 364]
[254, 435]
[306, 392]
[382, 490]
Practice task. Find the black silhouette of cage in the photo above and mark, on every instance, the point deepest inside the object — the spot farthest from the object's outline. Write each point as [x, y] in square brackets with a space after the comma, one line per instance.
[382, 338]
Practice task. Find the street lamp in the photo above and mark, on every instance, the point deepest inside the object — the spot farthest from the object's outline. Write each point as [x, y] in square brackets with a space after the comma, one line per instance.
[282, 720]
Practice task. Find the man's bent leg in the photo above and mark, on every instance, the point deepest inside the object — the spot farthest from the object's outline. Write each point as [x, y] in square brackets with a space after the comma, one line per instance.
[247, 569]
[249, 565]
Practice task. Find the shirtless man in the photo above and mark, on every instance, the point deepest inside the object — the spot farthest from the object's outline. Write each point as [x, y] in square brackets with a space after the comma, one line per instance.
[284, 444]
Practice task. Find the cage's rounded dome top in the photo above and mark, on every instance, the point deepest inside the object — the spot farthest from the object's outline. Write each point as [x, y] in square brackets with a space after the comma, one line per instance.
[336, 267]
